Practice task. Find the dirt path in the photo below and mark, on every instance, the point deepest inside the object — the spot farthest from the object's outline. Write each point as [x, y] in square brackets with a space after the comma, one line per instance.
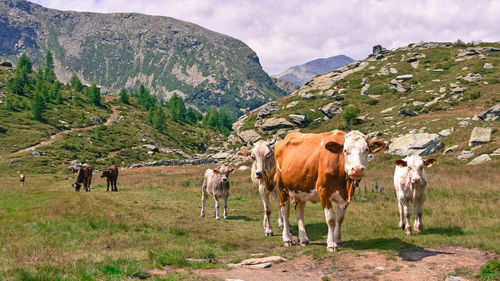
[420, 264]
[53, 137]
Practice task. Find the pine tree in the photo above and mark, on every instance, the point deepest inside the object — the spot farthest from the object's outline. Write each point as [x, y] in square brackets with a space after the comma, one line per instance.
[49, 68]
[76, 84]
[124, 96]
[37, 106]
[158, 118]
[94, 95]
[178, 108]
[24, 62]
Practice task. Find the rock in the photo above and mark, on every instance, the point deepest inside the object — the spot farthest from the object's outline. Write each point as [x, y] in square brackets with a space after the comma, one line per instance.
[383, 71]
[488, 65]
[96, 120]
[6, 64]
[331, 109]
[239, 123]
[307, 96]
[292, 104]
[248, 136]
[445, 132]
[330, 93]
[243, 168]
[491, 114]
[496, 152]
[150, 153]
[387, 110]
[479, 136]
[151, 147]
[392, 70]
[404, 77]
[396, 84]
[373, 134]
[267, 110]
[450, 149]
[221, 155]
[464, 123]
[421, 144]
[415, 64]
[35, 153]
[472, 77]
[466, 154]
[378, 50]
[418, 103]
[272, 124]
[299, 119]
[365, 88]
[442, 89]
[454, 278]
[407, 112]
[364, 80]
[270, 259]
[483, 158]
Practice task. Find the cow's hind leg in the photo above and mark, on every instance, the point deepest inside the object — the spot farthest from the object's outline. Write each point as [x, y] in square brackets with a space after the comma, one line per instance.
[116, 188]
[268, 231]
[299, 212]
[331, 246]
[276, 196]
[203, 199]
[401, 215]
[226, 195]
[285, 210]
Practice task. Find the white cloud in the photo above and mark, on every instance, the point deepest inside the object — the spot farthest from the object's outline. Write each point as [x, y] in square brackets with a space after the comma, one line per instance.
[286, 33]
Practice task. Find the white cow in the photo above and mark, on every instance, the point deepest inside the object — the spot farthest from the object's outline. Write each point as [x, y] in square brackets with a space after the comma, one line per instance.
[410, 182]
[216, 183]
[263, 176]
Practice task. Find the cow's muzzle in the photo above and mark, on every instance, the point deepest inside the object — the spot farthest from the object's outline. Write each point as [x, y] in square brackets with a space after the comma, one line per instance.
[357, 172]
[258, 174]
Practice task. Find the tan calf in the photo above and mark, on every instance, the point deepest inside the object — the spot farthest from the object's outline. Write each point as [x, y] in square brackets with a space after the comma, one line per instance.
[216, 183]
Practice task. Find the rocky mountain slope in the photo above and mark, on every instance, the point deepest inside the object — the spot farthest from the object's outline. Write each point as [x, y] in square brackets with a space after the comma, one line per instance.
[437, 99]
[300, 74]
[125, 49]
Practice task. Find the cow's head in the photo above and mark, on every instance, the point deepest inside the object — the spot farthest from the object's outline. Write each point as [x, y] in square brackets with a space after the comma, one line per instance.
[263, 158]
[77, 186]
[356, 150]
[415, 165]
[224, 172]
[106, 173]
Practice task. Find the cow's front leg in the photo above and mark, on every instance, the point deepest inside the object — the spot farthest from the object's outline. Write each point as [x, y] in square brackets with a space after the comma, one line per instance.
[268, 231]
[337, 232]
[203, 199]
[285, 210]
[407, 214]
[299, 212]
[107, 186]
[331, 246]
[216, 207]
[401, 214]
[418, 209]
[225, 205]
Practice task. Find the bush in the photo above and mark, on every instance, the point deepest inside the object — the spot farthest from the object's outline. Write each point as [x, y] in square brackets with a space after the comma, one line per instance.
[491, 271]
[350, 116]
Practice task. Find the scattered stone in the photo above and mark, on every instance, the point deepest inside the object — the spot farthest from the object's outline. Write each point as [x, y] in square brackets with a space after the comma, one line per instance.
[243, 168]
[248, 136]
[483, 158]
[383, 71]
[404, 77]
[466, 154]
[221, 155]
[365, 88]
[479, 136]
[442, 89]
[392, 70]
[450, 149]
[491, 114]
[438, 70]
[269, 259]
[488, 65]
[96, 120]
[331, 109]
[364, 80]
[445, 132]
[415, 64]
[268, 109]
[387, 110]
[150, 153]
[413, 57]
[299, 119]
[454, 278]
[396, 84]
[379, 268]
[457, 91]
[307, 96]
[292, 104]
[407, 112]
[418, 103]
[496, 152]
[464, 123]
[373, 134]
[421, 144]
[35, 153]
[331, 93]
[472, 77]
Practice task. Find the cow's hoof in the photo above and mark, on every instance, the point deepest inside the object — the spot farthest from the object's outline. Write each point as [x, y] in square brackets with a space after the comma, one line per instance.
[408, 232]
[332, 249]
[418, 229]
[269, 234]
[217, 218]
[304, 244]
[225, 217]
[287, 244]
[202, 215]
[402, 227]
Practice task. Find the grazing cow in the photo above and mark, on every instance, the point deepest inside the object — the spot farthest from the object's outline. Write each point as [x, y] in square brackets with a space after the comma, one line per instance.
[216, 183]
[321, 167]
[84, 177]
[410, 182]
[111, 175]
[21, 179]
[264, 177]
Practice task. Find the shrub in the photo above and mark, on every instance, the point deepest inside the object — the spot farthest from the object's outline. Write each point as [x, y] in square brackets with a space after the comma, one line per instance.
[491, 271]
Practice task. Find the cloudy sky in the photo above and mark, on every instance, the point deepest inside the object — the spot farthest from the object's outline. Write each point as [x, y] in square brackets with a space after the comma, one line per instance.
[290, 32]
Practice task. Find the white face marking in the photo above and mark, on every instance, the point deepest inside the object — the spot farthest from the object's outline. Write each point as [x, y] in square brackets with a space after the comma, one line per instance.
[356, 152]
[263, 158]
[415, 167]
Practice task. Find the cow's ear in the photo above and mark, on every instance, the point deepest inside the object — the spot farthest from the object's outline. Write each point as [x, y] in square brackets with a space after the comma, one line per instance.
[216, 172]
[376, 146]
[401, 163]
[231, 170]
[429, 162]
[334, 147]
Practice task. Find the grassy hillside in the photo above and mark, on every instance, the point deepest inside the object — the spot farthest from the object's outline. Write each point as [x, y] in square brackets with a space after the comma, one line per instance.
[437, 66]
[111, 133]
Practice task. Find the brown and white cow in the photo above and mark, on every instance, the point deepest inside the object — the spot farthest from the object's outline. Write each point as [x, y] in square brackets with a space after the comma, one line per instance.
[22, 178]
[264, 178]
[84, 177]
[321, 167]
[410, 183]
[111, 175]
[216, 183]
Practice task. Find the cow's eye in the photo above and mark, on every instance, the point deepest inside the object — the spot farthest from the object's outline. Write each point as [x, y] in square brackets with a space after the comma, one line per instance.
[253, 157]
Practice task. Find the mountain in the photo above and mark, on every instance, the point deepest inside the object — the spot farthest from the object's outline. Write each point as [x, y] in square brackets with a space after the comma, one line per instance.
[436, 99]
[125, 49]
[299, 74]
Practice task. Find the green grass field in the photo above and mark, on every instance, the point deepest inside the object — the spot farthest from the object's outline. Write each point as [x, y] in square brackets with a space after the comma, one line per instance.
[50, 232]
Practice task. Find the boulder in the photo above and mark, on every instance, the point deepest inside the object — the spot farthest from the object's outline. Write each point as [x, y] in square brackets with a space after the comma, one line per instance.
[365, 88]
[421, 144]
[6, 63]
[331, 109]
[466, 154]
[472, 77]
[488, 65]
[387, 110]
[96, 120]
[404, 77]
[479, 136]
[330, 93]
[383, 71]
[151, 147]
[418, 103]
[299, 119]
[307, 96]
[364, 81]
[491, 114]
[483, 158]
[392, 70]
[273, 124]
[378, 50]
[450, 149]
[395, 84]
[292, 104]
[445, 132]
[221, 155]
[373, 134]
[267, 110]
[496, 152]
[35, 153]
[407, 112]
[248, 136]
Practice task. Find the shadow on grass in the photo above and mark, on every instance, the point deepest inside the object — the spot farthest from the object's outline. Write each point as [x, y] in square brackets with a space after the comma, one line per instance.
[242, 218]
[447, 231]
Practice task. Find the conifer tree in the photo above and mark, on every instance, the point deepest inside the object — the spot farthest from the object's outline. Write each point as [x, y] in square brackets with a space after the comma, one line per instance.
[94, 95]
[37, 106]
[50, 76]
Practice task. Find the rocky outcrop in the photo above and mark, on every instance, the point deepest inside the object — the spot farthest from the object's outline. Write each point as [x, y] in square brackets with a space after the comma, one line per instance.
[331, 109]
[268, 109]
[471, 77]
[479, 136]
[491, 114]
[299, 119]
[466, 154]
[273, 124]
[248, 136]
[407, 112]
[421, 144]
